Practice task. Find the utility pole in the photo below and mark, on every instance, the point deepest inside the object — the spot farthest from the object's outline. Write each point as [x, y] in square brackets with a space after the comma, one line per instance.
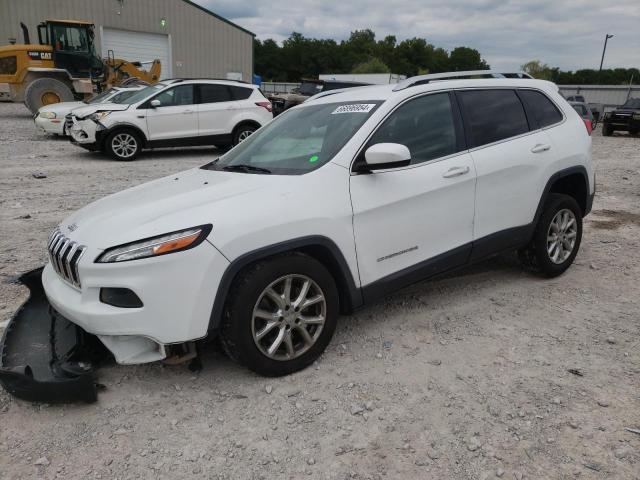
[606, 39]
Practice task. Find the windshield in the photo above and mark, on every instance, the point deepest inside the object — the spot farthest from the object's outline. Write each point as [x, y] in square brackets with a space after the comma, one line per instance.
[580, 109]
[124, 97]
[101, 97]
[632, 103]
[145, 93]
[308, 88]
[298, 141]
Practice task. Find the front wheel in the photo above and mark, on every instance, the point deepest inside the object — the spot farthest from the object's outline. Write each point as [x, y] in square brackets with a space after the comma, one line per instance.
[606, 130]
[557, 237]
[280, 315]
[123, 145]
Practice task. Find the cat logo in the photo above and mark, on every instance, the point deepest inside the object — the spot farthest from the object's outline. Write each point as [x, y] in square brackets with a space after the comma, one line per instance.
[40, 55]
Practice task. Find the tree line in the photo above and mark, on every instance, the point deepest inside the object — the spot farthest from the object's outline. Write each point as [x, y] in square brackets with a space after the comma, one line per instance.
[302, 57]
[587, 76]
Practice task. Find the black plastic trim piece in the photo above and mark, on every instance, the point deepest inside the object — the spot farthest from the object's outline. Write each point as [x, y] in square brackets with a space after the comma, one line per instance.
[222, 139]
[352, 293]
[43, 356]
[416, 273]
[120, 297]
[495, 243]
[557, 176]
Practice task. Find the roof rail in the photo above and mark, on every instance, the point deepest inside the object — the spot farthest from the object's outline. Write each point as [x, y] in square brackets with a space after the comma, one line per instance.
[424, 79]
[183, 79]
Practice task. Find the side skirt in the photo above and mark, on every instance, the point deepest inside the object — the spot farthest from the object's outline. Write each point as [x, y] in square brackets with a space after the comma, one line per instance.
[473, 252]
[191, 141]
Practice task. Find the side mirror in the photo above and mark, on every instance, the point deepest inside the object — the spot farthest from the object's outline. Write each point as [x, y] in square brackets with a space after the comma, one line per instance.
[387, 155]
[155, 103]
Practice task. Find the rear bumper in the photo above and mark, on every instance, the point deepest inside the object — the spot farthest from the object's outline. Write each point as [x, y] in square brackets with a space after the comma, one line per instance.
[43, 356]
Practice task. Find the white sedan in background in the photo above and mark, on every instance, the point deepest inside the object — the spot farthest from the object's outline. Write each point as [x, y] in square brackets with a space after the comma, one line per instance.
[50, 118]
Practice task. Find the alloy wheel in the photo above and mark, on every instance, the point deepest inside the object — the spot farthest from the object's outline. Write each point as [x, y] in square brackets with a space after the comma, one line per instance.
[244, 134]
[288, 317]
[124, 145]
[561, 236]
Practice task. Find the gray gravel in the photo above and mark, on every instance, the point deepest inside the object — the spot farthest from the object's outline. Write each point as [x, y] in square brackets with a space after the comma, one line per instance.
[465, 377]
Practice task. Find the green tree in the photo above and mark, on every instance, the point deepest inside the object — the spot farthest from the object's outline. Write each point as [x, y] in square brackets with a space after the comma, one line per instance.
[538, 70]
[375, 65]
[465, 58]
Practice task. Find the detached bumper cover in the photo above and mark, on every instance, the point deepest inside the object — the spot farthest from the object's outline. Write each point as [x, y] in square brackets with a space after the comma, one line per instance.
[43, 356]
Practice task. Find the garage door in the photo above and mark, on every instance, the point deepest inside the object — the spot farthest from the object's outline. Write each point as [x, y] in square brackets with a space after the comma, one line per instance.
[138, 46]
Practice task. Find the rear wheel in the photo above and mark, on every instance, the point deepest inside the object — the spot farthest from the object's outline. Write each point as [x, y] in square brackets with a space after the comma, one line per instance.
[124, 145]
[45, 91]
[280, 314]
[242, 133]
[557, 237]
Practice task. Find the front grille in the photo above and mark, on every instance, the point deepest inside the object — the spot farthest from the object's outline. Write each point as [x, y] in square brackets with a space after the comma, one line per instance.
[64, 255]
[68, 122]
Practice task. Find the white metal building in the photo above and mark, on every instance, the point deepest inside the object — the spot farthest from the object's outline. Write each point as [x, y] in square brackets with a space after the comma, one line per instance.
[190, 40]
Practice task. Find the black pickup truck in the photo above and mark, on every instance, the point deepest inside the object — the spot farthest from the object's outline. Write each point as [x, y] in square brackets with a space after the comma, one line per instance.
[625, 118]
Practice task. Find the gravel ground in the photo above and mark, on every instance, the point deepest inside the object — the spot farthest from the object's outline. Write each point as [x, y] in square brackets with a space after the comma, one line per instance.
[465, 377]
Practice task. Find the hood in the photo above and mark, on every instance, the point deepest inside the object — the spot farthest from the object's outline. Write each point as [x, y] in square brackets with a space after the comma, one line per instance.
[61, 108]
[179, 201]
[99, 107]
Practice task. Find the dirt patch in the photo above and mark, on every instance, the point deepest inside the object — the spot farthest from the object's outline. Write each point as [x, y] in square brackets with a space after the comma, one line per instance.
[614, 219]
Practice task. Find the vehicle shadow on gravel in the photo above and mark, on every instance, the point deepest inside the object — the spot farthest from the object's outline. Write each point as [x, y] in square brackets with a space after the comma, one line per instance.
[206, 153]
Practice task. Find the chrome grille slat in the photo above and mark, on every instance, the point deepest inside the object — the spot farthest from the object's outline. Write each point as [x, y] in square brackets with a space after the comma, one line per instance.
[64, 255]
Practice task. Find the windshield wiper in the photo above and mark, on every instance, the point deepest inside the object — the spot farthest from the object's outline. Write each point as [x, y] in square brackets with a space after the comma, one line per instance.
[245, 168]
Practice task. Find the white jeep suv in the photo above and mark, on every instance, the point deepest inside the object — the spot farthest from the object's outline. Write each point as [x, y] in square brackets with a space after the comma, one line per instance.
[331, 206]
[173, 113]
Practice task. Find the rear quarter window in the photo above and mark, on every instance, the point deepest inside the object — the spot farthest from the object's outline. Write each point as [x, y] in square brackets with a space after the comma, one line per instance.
[240, 93]
[542, 108]
[492, 115]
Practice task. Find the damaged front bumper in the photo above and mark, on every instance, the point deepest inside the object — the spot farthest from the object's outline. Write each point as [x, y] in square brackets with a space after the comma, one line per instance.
[46, 358]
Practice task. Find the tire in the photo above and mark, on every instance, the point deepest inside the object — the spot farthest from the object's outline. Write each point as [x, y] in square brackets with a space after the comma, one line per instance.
[540, 256]
[123, 144]
[242, 133]
[606, 130]
[634, 131]
[46, 91]
[241, 328]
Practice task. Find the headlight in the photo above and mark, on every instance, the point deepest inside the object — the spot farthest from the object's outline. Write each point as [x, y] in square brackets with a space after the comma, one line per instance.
[156, 246]
[98, 116]
[47, 115]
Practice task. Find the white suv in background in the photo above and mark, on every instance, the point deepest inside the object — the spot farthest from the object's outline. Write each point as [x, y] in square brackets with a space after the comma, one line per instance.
[173, 113]
[51, 118]
[333, 205]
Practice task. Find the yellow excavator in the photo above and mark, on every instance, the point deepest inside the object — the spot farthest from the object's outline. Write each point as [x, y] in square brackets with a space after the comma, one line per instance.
[64, 66]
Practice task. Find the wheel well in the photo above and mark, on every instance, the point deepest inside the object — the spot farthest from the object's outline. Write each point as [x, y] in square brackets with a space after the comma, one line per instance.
[119, 128]
[573, 185]
[243, 123]
[320, 248]
[326, 258]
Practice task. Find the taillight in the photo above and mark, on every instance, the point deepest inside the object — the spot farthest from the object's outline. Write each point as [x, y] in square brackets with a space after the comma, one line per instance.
[266, 105]
[587, 123]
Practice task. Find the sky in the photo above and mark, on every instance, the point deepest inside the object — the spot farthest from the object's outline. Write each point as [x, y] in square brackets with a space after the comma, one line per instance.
[563, 33]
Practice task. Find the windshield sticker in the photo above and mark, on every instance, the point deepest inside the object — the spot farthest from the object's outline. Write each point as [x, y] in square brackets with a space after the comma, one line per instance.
[354, 108]
[313, 158]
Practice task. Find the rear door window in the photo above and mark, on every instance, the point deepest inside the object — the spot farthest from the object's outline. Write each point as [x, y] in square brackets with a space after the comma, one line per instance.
[492, 115]
[214, 93]
[543, 109]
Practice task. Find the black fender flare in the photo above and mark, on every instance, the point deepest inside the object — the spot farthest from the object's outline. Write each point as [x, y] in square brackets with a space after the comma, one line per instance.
[557, 176]
[349, 292]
